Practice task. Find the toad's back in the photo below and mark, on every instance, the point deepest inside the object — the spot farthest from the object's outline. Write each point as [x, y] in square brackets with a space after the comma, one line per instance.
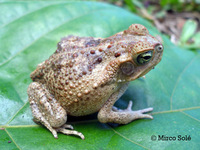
[74, 72]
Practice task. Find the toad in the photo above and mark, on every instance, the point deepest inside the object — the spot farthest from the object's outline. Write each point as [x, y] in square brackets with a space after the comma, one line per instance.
[87, 75]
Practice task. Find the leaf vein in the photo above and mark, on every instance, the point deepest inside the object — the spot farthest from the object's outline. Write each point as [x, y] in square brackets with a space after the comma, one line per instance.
[178, 79]
[190, 116]
[17, 113]
[176, 110]
[12, 139]
[121, 135]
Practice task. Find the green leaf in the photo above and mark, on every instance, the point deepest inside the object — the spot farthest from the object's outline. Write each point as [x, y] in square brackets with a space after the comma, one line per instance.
[29, 32]
[170, 2]
[195, 44]
[188, 31]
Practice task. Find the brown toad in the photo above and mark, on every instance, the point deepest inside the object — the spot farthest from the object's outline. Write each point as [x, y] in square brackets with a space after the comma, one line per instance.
[87, 75]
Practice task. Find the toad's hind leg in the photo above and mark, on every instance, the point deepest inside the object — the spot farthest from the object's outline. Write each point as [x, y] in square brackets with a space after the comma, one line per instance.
[47, 111]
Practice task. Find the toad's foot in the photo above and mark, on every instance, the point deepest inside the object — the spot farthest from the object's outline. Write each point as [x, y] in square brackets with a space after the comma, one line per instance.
[138, 114]
[69, 132]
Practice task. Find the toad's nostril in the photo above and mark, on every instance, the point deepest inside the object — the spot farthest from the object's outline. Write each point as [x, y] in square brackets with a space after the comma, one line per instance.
[158, 47]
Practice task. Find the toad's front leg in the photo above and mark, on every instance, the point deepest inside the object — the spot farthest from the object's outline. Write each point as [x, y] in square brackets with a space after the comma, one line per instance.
[109, 113]
[47, 111]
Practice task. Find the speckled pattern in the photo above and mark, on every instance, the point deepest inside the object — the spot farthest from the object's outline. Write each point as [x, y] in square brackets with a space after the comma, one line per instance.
[87, 74]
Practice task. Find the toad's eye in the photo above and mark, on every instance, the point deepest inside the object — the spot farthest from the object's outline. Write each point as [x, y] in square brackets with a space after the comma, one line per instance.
[144, 57]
